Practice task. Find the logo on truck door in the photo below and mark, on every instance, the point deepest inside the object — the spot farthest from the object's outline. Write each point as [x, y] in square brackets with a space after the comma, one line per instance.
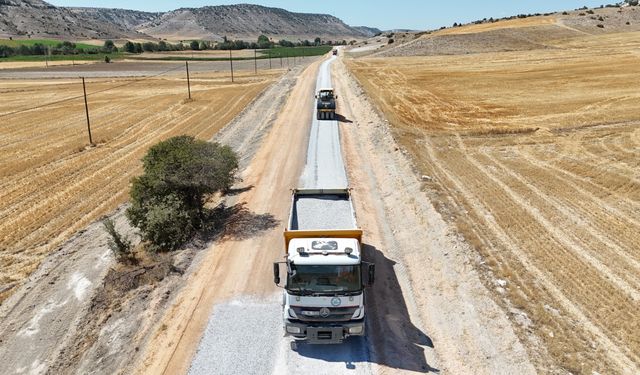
[335, 301]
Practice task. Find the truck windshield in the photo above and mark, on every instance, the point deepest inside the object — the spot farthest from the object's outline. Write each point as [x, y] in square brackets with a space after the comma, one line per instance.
[324, 279]
[326, 95]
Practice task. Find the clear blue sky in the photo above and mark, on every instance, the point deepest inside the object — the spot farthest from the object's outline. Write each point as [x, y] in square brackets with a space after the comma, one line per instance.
[384, 14]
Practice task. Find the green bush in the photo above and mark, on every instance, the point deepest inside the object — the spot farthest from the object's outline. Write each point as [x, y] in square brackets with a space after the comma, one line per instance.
[167, 201]
[119, 244]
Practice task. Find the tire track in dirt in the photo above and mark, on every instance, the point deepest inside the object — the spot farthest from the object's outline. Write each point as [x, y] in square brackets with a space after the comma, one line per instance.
[561, 213]
[621, 357]
[557, 235]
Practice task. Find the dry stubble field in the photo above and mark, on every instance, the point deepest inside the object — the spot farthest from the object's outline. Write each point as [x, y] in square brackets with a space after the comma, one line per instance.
[536, 157]
[52, 185]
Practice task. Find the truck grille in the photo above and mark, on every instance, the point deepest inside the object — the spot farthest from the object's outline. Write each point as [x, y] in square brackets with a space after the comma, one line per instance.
[336, 314]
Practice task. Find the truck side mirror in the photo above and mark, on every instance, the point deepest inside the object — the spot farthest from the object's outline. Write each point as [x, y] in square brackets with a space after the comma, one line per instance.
[276, 273]
[371, 273]
[316, 96]
[336, 96]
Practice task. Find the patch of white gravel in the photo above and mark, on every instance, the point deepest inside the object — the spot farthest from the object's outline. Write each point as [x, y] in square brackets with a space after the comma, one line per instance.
[242, 337]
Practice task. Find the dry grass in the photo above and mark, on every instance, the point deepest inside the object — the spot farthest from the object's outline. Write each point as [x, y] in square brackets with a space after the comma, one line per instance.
[505, 24]
[52, 185]
[536, 156]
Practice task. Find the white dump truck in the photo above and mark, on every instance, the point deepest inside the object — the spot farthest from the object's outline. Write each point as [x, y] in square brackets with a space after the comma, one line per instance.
[323, 300]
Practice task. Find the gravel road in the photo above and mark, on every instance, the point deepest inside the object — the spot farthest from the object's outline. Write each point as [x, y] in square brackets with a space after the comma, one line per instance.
[324, 168]
[245, 335]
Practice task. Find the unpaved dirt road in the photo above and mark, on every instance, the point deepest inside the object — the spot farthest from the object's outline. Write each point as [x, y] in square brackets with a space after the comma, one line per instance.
[228, 320]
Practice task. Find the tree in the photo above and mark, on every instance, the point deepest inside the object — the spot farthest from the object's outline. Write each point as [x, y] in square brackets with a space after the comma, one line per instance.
[129, 47]
[194, 45]
[167, 201]
[149, 47]
[264, 42]
[109, 45]
[318, 41]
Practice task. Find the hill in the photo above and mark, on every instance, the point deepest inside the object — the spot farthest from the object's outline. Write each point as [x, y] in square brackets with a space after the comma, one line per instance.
[39, 19]
[245, 21]
[518, 33]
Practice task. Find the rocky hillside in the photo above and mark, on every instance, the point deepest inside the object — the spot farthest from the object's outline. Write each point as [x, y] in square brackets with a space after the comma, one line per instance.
[246, 21]
[38, 19]
[122, 18]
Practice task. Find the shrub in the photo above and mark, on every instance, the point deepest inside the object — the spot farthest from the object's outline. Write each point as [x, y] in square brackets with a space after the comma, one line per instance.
[107, 59]
[390, 41]
[119, 245]
[167, 201]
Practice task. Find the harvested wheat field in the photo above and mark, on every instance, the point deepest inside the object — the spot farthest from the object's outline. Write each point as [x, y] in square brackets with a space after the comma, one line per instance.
[535, 156]
[52, 184]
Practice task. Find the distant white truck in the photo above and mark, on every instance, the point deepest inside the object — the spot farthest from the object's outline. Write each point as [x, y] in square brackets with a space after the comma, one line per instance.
[323, 300]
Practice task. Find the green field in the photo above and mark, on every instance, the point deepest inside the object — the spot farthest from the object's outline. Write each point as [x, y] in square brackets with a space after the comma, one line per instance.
[262, 54]
[46, 42]
[295, 51]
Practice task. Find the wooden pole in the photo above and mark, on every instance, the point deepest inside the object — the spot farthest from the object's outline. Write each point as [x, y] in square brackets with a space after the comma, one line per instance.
[231, 63]
[188, 80]
[86, 108]
[255, 62]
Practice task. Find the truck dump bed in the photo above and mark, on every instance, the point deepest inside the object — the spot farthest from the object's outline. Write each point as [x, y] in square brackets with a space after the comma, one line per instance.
[322, 213]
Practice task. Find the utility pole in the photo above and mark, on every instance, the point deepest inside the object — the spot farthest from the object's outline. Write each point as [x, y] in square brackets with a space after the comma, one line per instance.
[188, 80]
[255, 62]
[86, 108]
[231, 63]
[269, 59]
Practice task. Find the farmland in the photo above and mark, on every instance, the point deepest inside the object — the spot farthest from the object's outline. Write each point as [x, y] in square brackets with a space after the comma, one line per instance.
[535, 156]
[54, 184]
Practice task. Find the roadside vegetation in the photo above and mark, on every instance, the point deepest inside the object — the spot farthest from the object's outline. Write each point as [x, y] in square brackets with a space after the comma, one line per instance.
[168, 199]
[54, 50]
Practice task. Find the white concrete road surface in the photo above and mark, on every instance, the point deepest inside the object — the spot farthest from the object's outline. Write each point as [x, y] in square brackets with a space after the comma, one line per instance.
[244, 335]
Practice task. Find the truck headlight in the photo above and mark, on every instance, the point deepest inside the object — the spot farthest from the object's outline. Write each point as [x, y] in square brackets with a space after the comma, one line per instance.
[356, 330]
[292, 314]
[295, 330]
[358, 313]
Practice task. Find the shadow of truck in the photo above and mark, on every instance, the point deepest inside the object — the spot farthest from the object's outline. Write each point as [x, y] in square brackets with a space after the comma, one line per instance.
[391, 340]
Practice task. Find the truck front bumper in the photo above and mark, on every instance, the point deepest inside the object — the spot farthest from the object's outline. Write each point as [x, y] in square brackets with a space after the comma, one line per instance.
[324, 333]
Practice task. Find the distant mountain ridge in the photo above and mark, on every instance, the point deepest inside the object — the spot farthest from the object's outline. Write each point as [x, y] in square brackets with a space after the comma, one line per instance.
[37, 18]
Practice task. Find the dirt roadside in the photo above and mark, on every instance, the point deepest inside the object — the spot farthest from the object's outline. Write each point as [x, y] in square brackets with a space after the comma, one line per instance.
[441, 317]
[232, 268]
[63, 320]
